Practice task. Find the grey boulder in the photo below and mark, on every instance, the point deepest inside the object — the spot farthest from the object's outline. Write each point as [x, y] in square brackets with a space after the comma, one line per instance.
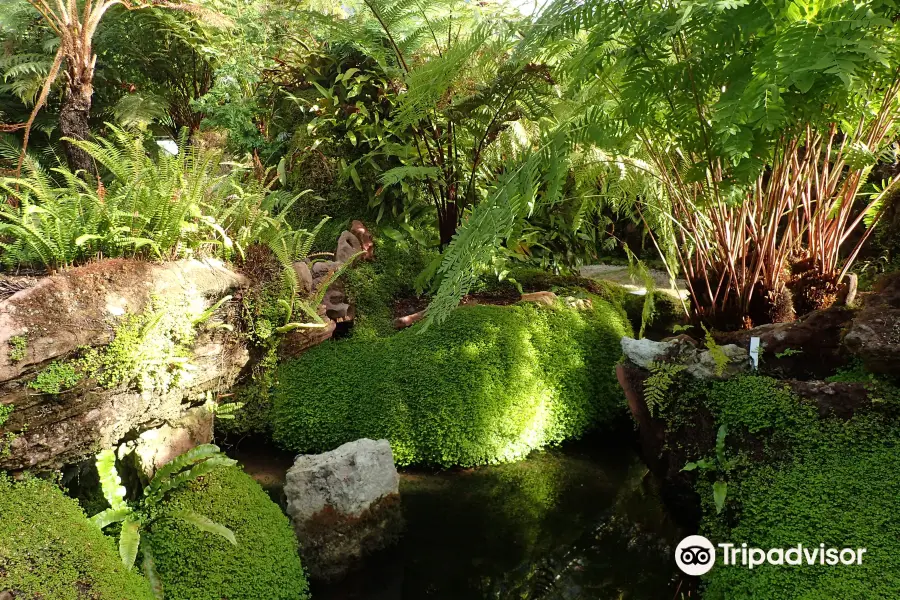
[344, 504]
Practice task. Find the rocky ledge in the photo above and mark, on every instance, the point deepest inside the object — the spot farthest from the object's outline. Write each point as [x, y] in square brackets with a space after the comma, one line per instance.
[802, 354]
[64, 315]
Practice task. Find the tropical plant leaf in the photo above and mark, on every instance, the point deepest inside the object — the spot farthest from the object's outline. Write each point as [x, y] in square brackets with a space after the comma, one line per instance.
[720, 444]
[110, 516]
[179, 463]
[720, 491]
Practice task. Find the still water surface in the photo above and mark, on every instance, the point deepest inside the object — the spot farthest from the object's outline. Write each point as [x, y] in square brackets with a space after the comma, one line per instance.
[582, 522]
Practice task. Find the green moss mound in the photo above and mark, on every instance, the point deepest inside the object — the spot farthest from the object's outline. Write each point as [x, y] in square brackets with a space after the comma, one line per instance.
[196, 565]
[48, 549]
[487, 386]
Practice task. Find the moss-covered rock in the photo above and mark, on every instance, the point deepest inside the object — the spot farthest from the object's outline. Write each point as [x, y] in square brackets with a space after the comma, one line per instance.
[197, 565]
[489, 385]
[48, 549]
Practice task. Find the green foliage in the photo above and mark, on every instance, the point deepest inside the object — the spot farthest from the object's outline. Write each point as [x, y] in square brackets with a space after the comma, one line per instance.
[716, 352]
[639, 271]
[144, 514]
[723, 80]
[5, 411]
[197, 565]
[811, 480]
[18, 345]
[222, 410]
[836, 493]
[719, 465]
[657, 385]
[693, 102]
[6, 437]
[757, 405]
[160, 206]
[254, 400]
[374, 286]
[150, 351]
[343, 149]
[855, 372]
[468, 101]
[167, 56]
[48, 549]
[57, 377]
[495, 219]
[788, 352]
[489, 385]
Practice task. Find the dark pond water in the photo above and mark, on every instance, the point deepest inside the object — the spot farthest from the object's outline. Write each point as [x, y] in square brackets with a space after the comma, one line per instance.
[582, 522]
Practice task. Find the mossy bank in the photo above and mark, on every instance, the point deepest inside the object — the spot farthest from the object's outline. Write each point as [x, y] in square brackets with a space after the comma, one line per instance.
[796, 475]
[49, 549]
[197, 565]
[487, 386]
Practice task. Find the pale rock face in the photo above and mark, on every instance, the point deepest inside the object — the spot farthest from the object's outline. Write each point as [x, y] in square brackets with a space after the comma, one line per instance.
[347, 247]
[344, 504]
[304, 277]
[156, 447]
[698, 362]
[82, 307]
[349, 479]
[642, 352]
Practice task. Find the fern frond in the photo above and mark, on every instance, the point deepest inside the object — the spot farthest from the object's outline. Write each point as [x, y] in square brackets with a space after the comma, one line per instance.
[182, 469]
[129, 540]
[110, 516]
[205, 524]
[110, 482]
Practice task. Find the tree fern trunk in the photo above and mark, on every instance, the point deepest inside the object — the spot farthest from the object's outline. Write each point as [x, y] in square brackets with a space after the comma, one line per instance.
[448, 219]
[75, 113]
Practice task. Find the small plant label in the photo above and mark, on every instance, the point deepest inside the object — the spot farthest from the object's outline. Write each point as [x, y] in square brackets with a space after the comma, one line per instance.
[754, 352]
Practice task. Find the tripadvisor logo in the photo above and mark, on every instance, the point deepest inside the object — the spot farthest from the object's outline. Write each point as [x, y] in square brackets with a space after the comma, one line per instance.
[696, 555]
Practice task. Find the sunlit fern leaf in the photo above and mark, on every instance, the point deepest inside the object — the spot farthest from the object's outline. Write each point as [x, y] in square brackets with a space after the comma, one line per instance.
[164, 479]
[129, 540]
[409, 172]
[110, 482]
[110, 516]
[139, 110]
[492, 220]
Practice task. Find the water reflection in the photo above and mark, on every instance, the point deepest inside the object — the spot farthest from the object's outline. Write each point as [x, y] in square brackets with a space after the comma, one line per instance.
[579, 523]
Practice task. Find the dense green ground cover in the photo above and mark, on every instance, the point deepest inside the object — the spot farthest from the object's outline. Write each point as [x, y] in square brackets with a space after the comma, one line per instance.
[196, 565]
[489, 385]
[810, 481]
[841, 494]
[49, 549]
[374, 286]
